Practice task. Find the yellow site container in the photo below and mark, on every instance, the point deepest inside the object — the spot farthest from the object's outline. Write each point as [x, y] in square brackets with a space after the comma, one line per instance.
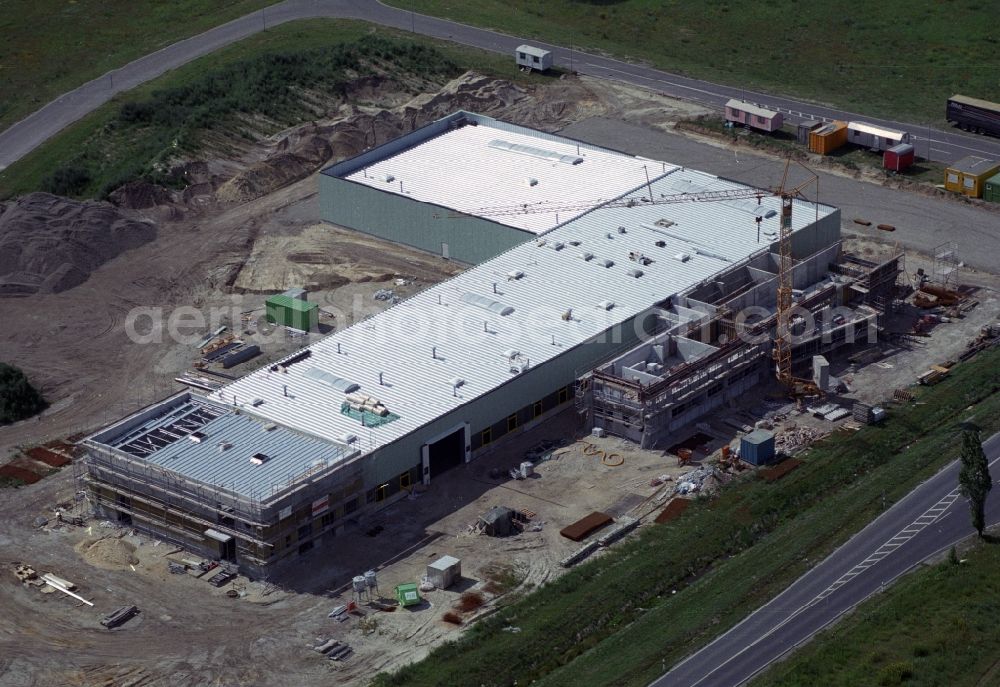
[828, 138]
[968, 176]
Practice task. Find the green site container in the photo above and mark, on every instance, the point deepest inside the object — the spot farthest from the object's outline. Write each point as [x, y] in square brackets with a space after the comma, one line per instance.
[991, 189]
[408, 594]
[292, 312]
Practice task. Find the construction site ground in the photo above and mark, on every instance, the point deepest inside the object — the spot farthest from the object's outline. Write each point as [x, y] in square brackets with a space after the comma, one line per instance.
[231, 255]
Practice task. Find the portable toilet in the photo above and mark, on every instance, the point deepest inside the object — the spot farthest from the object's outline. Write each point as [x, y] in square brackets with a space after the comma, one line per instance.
[407, 594]
[803, 129]
[529, 57]
[757, 447]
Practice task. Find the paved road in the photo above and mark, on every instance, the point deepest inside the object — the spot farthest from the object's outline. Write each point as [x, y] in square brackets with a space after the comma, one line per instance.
[29, 133]
[926, 522]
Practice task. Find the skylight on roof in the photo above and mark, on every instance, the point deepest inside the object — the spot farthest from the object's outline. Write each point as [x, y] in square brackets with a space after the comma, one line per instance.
[487, 303]
[541, 153]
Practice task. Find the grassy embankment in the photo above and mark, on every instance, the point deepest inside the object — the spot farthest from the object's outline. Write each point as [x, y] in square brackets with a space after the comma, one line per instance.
[52, 46]
[935, 627]
[257, 86]
[898, 58]
[618, 621]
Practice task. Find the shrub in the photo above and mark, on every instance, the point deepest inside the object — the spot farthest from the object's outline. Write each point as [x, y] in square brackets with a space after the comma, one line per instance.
[18, 399]
[67, 181]
[895, 673]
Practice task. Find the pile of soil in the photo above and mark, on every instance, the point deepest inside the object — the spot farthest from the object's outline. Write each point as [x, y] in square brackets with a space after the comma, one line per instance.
[49, 244]
[110, 553]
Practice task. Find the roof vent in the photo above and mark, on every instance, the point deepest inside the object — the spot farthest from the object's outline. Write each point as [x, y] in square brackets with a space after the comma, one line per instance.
[456, 382]
[269, 427]
[540, 242]
[224, 446]
[197, 437]
[660, 244]
[665, 223]
[606, 305]
[531, 181]
[558, 245]
[573, 243]
[635, 273]
[387, 178]
[347, 438]
[586, 256]
[621, 230]
[257, 402]
[259, 458]
[514, 275]
[606, 262]
[682, 257]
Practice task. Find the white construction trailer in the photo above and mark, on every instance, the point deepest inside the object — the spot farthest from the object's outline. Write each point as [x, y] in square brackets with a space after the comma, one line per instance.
[529, 57]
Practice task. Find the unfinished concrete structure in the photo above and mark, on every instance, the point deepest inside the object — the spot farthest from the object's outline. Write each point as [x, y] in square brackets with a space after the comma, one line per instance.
[717, 340]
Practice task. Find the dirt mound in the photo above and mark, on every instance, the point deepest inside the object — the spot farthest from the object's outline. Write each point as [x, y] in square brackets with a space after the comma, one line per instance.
[49, 243]
[109, 554]
[139, 195]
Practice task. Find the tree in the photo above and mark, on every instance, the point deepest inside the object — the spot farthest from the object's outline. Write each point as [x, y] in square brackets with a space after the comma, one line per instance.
[974, 478]
[18, 399]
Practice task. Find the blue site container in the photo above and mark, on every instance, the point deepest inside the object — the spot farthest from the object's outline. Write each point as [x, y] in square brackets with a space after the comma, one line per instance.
[757, 447]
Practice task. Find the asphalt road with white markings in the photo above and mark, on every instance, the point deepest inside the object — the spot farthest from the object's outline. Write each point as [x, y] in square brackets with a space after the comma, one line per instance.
[26, 135]
[929, 520]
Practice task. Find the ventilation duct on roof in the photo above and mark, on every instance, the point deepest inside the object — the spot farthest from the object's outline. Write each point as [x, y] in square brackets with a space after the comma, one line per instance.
[682, 257]
[486, 303]
[530, 181]
[635, 273]
[542, 153]
[514, 275]
[387, 178]
[606, 305]
[606, 262]
[259, 458]
[586, 256]
[332, 380]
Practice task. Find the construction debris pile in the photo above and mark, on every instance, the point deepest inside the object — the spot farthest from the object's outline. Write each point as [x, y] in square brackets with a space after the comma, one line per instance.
[795, 438]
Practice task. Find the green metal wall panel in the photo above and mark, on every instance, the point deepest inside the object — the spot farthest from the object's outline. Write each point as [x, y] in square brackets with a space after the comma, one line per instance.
[470, 240]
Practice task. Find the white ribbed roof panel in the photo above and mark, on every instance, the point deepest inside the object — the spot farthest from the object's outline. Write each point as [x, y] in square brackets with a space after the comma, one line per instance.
[423, 343]
[480, 166]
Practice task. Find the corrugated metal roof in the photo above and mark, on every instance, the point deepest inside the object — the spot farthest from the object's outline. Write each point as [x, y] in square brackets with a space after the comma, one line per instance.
[480, 166]
[750, 108]
[532, 50]
[867, 128]
[423, 343]
[974, 165]
[290, 455]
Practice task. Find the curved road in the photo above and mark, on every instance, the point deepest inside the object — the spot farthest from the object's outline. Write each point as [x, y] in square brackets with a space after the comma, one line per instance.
[24, 136]
[929, 520]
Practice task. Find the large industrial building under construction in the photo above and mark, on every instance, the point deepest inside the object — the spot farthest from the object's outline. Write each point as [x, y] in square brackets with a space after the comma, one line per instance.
[597, 280]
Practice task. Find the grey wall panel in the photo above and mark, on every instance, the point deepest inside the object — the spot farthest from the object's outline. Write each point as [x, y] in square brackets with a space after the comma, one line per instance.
[424, 226]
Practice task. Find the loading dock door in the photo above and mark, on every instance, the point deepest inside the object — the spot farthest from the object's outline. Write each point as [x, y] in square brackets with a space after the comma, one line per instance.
[447, 453]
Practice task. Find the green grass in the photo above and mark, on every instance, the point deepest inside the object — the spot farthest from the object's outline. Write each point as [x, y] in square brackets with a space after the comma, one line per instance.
[620, 619]
[899, 58]
[52, 46]
[935, 627]
[168, 115]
